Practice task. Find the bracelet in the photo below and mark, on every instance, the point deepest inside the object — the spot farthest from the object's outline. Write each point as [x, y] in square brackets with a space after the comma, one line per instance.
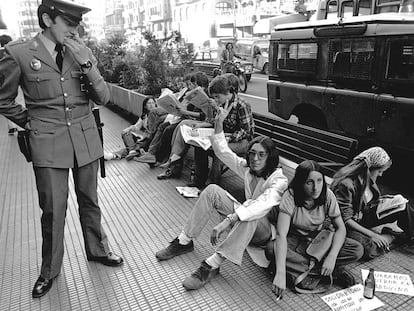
[232, 218]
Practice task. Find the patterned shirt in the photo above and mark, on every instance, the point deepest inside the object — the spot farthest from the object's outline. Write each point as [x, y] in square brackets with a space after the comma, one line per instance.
[239, 123]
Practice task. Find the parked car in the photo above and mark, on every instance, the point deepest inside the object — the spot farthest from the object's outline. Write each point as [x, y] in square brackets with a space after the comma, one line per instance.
[256, 51]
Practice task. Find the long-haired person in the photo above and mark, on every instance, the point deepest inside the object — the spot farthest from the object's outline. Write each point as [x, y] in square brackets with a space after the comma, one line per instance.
[304, 208]
[355, 186]
[264, 185]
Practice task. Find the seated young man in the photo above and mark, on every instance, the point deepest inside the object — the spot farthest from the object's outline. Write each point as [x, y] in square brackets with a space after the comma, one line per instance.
[238, 128]
[264, 184]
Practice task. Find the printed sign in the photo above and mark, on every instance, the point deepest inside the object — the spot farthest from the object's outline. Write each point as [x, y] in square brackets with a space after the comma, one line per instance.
[391, 282]
[351, 299]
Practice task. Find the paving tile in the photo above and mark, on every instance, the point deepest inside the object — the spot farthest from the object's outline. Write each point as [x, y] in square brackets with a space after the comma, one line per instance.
[140, 215]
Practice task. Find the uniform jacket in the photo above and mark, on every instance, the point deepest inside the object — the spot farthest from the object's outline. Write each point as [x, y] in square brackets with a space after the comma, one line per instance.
[267, 193]
[58, 107]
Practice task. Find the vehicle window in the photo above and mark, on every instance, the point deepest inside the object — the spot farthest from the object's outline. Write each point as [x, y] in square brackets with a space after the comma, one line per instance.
[352, 58]
[401, 60]
[364, 7]
[332, 9]
[384, 6]
[347, 9]
[297, 56]
[213, 54]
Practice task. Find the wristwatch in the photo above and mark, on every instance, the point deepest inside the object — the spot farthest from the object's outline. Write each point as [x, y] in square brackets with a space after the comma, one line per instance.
[86, 65]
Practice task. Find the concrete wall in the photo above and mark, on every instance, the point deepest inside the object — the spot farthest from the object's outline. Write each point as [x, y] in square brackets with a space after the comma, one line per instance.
[126, 99]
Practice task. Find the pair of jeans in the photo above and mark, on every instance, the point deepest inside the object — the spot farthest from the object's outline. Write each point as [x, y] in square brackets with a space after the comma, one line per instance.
[297, 261]
[404, 218]
[216, 199]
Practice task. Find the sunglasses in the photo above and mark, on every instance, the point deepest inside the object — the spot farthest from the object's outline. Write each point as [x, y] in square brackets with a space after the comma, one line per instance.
[260, 155]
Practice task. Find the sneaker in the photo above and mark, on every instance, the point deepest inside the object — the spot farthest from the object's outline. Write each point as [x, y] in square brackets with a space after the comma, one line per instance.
[343, 278]
[200, 277]
[174, 249]
[146, 158]
[109, 156]
[131, 155]
[165, 164]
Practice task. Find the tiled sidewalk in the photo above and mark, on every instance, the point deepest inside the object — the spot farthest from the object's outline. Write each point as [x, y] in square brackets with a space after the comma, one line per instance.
[141, 215]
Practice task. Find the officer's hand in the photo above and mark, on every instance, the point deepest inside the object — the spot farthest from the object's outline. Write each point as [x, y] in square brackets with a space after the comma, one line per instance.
[78, 48]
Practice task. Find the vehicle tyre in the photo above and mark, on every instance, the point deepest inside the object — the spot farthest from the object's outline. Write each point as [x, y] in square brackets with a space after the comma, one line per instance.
[248, 77]
[242, 82]
[266, 69]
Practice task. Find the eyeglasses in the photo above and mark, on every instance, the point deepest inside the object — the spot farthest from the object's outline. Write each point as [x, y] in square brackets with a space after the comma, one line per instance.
[260, 155]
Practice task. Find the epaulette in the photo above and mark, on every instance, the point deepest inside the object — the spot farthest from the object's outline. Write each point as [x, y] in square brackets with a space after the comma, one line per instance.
[17, 42]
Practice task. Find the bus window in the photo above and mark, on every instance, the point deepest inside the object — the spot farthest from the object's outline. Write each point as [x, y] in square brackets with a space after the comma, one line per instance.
[347, 9]
[352, 58]
[297, 57]
[385, 6]
[364, 7]
[332, 9]
[401, 60]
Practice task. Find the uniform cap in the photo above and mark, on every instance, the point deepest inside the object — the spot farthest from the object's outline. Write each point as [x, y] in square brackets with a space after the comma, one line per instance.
[71, 12]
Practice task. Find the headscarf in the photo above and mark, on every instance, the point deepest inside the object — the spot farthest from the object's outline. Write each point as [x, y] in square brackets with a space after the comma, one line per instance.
[374, 157]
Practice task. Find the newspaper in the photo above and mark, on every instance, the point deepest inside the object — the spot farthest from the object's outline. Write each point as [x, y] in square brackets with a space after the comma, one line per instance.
[199, 99]
[197, 136]
[188, 192]
[170, 103]
[390, 204]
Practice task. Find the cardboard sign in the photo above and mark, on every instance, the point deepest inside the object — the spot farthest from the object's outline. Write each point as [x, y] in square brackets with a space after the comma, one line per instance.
[351, 299]
[391, 282]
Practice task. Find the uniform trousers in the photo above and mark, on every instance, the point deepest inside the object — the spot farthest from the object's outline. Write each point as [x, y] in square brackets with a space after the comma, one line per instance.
[216, 199]
[52, 188]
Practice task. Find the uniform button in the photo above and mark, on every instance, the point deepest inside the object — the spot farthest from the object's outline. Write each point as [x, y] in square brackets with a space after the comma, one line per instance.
[67, 108]
[69, 124]
[65, 94]
[62, 79]
[37, 79]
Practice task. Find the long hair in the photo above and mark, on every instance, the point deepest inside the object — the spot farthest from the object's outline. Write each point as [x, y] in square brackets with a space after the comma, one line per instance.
[200, 78]
[298, 182]
[272, 161]
[144, 105]
[220, 85]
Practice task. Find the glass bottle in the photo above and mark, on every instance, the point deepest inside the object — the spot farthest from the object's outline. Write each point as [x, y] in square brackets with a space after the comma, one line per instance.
[369, 285]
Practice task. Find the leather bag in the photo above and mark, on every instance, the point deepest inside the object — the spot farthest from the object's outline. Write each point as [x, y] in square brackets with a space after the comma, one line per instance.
[317, 250]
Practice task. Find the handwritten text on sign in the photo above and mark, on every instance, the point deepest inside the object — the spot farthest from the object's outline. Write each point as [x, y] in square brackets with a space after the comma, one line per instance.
[391, 282]
[351, 299]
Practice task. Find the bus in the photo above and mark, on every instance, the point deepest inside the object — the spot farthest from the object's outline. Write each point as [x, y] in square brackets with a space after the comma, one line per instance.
[353, 76]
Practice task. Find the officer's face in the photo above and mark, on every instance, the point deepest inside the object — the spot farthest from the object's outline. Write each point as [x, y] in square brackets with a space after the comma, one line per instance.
[60, 29]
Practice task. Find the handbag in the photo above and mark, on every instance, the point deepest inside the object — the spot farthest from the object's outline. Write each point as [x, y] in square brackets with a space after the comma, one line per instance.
[316, 250]
[24, 144]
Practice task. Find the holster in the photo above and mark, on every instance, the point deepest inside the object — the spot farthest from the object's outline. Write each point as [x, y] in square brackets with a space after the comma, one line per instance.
[24, 144]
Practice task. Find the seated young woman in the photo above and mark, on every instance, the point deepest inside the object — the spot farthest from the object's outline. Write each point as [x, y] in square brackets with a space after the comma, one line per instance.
[355, 186]
[304, 208]
[246, 223]
[137, 135]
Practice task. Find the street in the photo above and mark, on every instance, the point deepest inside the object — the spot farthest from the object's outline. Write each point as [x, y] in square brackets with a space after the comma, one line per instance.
[256, 93]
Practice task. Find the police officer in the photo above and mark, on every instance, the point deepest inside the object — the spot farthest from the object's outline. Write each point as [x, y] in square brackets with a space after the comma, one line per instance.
[58, 75]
